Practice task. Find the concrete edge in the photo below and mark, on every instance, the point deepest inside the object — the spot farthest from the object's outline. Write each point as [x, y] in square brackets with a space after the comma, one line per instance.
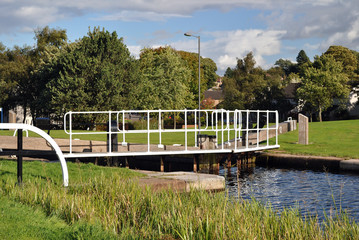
[310, 161]
[182, 181]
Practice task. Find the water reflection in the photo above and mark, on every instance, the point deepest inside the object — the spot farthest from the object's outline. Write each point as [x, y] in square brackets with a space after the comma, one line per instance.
[312, 192]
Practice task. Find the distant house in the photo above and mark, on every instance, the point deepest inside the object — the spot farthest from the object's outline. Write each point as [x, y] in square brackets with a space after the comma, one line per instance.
[352, 104]
[214, 94]
[16, 115]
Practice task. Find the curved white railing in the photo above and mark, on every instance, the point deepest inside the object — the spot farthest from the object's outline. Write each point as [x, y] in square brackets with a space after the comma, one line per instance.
[51, 141]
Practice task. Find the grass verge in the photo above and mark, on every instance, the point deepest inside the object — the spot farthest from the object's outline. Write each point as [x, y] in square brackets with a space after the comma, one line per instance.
[110, 199]
[334, 138]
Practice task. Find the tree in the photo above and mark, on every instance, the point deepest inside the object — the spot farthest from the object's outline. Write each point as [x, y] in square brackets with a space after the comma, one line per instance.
[323, 82]
[16, 68]
[286, 65]
[6, 85]
[164, 80]
[208, 72]
[95, 73]
[49, 43]
[303, 62]
[349, 62]
[250, 87]
[302, 58]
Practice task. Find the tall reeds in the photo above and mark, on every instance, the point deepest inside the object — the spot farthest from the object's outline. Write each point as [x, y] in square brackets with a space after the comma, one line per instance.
[112, 199]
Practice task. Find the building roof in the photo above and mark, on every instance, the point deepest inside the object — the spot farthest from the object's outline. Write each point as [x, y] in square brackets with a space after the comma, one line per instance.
[214, 94]
[290, 89]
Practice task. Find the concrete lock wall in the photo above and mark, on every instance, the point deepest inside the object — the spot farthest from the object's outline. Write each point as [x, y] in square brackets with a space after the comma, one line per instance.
[207, 163]
[303, 127]
[283, 127]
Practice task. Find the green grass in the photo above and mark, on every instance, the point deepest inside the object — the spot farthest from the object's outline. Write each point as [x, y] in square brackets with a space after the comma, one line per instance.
[110, 200]
[334, 138]
[19, 221]
[168, 138]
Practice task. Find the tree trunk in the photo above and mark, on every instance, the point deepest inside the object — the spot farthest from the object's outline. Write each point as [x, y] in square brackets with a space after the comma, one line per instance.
[25, 113]
[174, 121]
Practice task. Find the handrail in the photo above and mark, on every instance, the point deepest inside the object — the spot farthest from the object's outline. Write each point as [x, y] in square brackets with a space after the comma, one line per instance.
[49, 139]
[227, 125]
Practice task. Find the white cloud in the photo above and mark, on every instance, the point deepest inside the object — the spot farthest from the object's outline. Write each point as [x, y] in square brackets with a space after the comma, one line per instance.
[334, 22]
[135, 50]
[228, 46]
[137, 16]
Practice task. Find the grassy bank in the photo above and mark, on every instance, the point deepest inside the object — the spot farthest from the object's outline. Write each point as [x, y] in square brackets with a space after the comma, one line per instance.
[110, 199]
[334, 138]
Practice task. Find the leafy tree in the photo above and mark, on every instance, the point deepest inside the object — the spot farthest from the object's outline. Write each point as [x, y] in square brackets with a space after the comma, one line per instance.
[49, 37]
[303, 62]
[323, 82]
[164, 83]
[16, 68]
[247, 86]
[302, 58]
[208, 72]
[286, 65]
[349, 62]
[95, 73]
[6, 85]
[49, 43]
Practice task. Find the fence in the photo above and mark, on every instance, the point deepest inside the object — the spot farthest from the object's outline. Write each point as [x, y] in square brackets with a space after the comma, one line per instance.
[232, 131]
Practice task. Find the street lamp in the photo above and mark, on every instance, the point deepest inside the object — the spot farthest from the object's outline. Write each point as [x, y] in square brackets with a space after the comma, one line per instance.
[199, 75]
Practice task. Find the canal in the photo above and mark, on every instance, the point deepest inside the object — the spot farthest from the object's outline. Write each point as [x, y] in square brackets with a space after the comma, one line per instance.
[312, 192]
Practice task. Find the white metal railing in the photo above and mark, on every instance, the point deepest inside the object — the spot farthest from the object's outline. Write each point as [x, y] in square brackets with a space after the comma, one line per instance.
[51, 141]
[238, 130]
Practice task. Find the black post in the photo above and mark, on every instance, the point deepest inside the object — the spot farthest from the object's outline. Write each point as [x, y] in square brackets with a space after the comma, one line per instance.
[19, 156]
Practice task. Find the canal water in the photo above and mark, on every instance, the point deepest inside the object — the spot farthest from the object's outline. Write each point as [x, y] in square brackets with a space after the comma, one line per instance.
[313, 193]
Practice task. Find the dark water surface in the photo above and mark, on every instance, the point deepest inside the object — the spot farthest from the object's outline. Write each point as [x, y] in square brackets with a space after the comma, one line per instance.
[312, 192]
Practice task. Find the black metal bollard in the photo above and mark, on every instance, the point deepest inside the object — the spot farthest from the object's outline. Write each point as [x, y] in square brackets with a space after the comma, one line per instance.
[113, 140]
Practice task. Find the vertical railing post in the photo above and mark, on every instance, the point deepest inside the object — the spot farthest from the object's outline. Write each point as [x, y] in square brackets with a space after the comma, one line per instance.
[222, 128]
[267, 128]
[19, 156]
[257, 128]
[160, 145]
[276, 127]
[70, 127]
[109, 132]
[228, 127]
[217, 127]
[123, 129]
[195, 128]
[235, 129]
[185, 129]
[148, 131]
[247, 129]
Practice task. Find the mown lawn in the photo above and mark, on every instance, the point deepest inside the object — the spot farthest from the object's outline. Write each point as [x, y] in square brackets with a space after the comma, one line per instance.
[334, 138]
[168, 138]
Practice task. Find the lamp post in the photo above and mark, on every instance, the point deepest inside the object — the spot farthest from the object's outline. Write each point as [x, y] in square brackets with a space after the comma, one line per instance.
[199, 75]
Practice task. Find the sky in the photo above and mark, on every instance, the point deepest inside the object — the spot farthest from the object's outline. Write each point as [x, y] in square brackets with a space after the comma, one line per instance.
[228, 29]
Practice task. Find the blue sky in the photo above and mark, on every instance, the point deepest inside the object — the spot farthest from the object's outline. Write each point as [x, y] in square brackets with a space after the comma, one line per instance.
[229, 29]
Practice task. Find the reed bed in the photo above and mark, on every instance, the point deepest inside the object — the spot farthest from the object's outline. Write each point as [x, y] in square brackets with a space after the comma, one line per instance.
[111, 198]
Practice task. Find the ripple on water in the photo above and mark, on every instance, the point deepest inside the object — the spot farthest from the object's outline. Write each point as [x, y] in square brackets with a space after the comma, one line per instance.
[312, 192]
